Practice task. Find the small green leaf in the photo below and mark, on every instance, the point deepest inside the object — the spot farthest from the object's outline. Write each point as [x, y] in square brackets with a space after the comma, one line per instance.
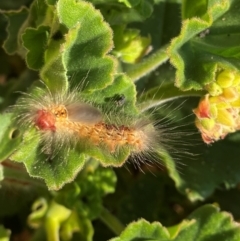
[55, 216]
[10, 137]
[16, 19]
[130, 46]
[39, 37]
[143, 230]
[78, 227]
[94, 187]
[145, 8]
[40, 14]
[87, 191]
[119, 12]
[38, 212]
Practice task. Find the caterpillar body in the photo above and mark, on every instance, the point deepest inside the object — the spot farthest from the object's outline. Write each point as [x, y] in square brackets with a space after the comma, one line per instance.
[65, 119]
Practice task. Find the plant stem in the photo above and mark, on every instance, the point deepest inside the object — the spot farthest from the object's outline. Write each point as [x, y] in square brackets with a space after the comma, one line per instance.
[112, 222]
[165, 93]
[149, 64]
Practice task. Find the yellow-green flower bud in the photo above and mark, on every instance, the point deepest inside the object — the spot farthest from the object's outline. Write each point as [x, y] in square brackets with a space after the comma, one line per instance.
[218, 112]
[236, 103]
[225, 118]
[223, 105]
[236, 81]
[207, 124]
[213, 111]
[231, 94]
[214, 89]
[225, 78]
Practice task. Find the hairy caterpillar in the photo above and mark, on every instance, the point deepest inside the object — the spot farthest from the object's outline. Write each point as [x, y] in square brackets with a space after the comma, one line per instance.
[64, 119]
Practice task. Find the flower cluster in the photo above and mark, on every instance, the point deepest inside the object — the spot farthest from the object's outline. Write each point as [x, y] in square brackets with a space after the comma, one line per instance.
[218, 112]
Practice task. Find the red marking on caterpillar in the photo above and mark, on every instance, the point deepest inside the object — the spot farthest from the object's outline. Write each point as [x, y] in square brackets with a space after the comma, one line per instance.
[45, 120]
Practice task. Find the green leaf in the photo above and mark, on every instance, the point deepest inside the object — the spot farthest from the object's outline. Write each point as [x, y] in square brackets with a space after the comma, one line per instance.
[208, 224]
[13, 88]
[87, 191]
[41, 14]
[53, 68]
[16, 19]
[192, 9]
[145, 8]
[87, 42]
[130, 3]
[38, 211]
[204, 224]
[143, 230]
[57, 170]
[94, 187]
[206, 43]
[122, 87]
[39, 37]
[154, 204]
[118, 12]
[55, 216]
[10, 137]
[220, 165]
[77, 228]
[12, 4]
[130, 46]
[51, 2]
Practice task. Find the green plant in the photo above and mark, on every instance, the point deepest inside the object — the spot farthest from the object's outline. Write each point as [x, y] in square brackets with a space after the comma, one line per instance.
[114, 54]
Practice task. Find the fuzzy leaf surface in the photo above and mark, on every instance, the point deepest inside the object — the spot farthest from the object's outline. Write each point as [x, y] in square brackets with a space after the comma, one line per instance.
[56, 171]
[87, 41]
[208, 224]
